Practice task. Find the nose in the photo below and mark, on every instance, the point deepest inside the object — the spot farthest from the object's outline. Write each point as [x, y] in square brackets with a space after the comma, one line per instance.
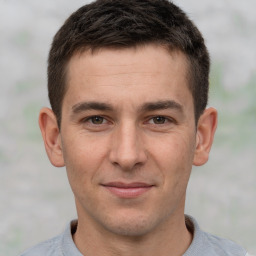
[127, 149]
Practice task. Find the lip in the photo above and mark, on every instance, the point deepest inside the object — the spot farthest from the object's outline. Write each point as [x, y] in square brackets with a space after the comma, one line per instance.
[128, 190]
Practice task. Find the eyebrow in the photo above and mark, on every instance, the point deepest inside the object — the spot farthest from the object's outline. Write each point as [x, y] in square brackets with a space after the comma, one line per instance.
[83, 106]
[159, 105]
[146, 107]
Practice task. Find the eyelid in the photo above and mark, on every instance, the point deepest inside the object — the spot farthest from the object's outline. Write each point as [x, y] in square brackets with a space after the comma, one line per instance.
[148, 120]
[88, 118]
[167, 118]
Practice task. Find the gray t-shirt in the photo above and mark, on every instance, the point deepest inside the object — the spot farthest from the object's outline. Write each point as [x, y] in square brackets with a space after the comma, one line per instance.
[203, 244]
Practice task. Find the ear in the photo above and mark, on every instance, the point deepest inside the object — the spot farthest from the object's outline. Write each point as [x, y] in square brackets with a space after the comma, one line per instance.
[51, 136]
[206, 128]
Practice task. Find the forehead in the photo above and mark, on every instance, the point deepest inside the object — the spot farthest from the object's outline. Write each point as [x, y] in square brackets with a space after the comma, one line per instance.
[146, 53]
[149, 71]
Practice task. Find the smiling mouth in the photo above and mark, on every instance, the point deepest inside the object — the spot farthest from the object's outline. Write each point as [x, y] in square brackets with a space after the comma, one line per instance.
[128, 190]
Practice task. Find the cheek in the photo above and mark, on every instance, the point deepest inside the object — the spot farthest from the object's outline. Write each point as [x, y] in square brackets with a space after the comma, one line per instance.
[83, 158]
[175, 149]
[174, 157]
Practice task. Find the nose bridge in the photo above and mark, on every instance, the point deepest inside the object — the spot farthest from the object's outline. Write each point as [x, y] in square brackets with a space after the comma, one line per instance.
[127, 149]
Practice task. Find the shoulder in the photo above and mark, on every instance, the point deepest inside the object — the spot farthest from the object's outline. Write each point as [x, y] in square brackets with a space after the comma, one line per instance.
[51, 247]
[206, 244]
[222, 246]
[57, 246]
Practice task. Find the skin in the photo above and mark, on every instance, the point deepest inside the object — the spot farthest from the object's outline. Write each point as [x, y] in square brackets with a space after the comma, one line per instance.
[128, 118]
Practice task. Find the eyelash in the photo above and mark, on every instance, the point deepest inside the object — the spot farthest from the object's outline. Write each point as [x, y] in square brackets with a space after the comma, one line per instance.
[104, 120]
[164, 120]
[90, 118]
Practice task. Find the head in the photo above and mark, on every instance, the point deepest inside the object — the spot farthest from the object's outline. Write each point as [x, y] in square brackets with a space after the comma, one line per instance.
[120, 24]
[128, 80]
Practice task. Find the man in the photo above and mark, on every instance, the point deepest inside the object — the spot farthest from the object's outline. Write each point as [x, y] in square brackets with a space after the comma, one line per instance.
[128, 86]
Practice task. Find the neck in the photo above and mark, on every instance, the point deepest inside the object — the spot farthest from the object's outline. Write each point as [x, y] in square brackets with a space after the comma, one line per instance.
[172, 238]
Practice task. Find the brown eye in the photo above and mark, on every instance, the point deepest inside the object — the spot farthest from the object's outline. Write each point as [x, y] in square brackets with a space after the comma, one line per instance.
[159, 120]
[97, 120]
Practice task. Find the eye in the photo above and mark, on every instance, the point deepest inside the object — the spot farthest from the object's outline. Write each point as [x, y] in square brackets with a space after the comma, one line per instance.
[96, 120]
[158, 120]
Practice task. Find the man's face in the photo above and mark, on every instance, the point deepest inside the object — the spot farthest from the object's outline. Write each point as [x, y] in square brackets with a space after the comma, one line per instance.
[128, 137]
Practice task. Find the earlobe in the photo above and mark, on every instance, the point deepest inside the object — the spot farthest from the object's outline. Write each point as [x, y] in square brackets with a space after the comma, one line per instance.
[51, 136]
[206, 128]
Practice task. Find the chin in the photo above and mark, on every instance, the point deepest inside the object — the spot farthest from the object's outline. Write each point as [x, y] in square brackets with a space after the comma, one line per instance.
[131, 226]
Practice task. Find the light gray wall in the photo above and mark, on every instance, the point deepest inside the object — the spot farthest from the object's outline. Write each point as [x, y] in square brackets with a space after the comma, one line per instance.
[35, 200]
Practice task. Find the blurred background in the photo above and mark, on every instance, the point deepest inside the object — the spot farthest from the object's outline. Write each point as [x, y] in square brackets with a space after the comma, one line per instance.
[36, 202]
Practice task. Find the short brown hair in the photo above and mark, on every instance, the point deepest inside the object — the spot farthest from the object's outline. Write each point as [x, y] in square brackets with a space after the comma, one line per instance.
[123, 24]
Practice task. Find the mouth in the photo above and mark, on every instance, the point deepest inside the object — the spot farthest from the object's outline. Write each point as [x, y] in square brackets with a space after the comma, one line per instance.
[128, 190]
